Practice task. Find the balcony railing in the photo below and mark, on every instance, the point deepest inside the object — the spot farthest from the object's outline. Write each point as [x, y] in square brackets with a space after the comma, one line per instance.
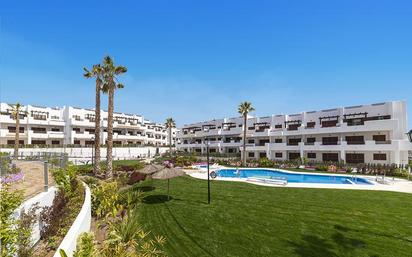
[355, 142]
[386, 142]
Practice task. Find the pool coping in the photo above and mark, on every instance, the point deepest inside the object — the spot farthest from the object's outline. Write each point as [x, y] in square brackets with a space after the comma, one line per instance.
[395, 185]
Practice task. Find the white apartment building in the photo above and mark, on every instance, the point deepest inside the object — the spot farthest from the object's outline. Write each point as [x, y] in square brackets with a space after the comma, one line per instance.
[75, 126]
[373, 133]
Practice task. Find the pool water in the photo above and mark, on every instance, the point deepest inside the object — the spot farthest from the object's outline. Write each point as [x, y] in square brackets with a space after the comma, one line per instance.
[291, 177]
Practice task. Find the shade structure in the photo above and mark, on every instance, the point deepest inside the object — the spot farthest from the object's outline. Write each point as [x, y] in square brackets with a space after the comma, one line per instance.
[150, 169]
[168, 173]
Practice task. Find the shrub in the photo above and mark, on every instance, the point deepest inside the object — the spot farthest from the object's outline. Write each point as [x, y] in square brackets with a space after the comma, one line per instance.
[51, 217]
[24, 229]
[265, 162]
[322, 167]
[8, 234]
[85, 245]
[66, 179]
[105, 199]
[136, 177]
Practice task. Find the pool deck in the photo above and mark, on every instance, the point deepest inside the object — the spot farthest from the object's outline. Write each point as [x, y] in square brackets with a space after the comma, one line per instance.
[395, 185]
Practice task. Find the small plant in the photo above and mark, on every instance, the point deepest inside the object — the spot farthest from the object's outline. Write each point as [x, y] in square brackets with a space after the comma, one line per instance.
[51, 217]
[85, 245]
[25, 228]
[105, 199]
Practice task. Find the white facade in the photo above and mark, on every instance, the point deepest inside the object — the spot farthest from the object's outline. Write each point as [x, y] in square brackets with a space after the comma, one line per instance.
[373, 133]
[75, 126]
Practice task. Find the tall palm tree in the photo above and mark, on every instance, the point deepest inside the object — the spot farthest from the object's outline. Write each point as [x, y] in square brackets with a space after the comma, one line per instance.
[96, 72]
[15, 114]
[170, 124]
[111, 72]
[244, 109]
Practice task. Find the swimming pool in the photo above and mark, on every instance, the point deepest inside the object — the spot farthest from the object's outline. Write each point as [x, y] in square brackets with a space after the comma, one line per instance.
[291, 177]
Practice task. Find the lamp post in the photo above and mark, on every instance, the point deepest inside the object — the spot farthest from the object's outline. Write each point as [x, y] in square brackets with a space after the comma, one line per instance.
[93, 152]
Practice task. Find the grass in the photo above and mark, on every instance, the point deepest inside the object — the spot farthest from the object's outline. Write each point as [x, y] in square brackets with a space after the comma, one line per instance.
[250, 220]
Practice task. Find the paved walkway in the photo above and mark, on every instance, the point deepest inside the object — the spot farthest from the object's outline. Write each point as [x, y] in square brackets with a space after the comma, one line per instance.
[33, 181]
[395, 185]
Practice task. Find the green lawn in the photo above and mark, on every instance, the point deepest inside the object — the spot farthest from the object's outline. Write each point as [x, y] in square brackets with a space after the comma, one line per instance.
[249, 220]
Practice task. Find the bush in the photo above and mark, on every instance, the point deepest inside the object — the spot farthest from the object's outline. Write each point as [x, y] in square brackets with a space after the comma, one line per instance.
[24, 228]
[265, 162]
[105, 199]
[136, 177]
[85, 245]
[51, 217]
[8, 234]
[66, 179]
[321, 167]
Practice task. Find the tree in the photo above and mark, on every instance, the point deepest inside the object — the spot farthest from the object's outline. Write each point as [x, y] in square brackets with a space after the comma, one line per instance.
[110, 84]
[96, 72]
[244, 109]
[170, 124]
[15, 114]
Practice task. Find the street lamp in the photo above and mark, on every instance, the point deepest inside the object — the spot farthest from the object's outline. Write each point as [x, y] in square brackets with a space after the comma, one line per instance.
[410, 135]
[208, 175]
[93, 152]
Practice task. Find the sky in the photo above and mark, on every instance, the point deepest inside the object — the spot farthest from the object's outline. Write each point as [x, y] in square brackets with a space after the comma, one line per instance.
[197, 60]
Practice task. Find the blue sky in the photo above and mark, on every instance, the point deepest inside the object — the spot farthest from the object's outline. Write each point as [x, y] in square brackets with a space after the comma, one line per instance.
[196, 60]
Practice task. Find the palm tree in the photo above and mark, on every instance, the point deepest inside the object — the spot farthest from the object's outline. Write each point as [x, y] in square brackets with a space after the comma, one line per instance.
[170, 123]
[15, 114]
[109, 86]
[245, 108]
[96, 72]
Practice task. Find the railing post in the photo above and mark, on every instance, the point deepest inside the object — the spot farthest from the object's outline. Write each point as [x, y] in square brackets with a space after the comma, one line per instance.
[46, 176]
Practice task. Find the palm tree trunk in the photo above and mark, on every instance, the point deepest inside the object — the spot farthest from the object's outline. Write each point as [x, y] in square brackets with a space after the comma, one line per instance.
[109, 173]
[244, 138]
[96, 167]
[16, 137]
[170, 141]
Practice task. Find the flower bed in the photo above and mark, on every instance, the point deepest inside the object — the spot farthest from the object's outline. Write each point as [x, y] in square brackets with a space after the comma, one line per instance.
[12, 178]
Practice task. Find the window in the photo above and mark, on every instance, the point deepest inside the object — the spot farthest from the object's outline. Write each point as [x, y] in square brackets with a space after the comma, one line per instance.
[379, 137]
[262, 155]
[89, 142]
[39, 130]
[293, 156]
[278, 155]
[329, 123]
[310, 124]
[330, 157]
[355, 158]
[293, 126]
[312, 155]
[38, 142]
[55, 142]
[251, 141]
[278, 140]
[355, 140]
[55, 129]
[77, 142]
[329, 140]
[379, 156]
[251, 154]
[278, 126]
[311, 140]
[294, 141]
[13, 129]
[11, 142]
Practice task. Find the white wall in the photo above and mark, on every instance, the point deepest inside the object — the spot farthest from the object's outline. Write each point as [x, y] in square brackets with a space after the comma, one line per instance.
[83, 154]
[44, 199]
[81, 224]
